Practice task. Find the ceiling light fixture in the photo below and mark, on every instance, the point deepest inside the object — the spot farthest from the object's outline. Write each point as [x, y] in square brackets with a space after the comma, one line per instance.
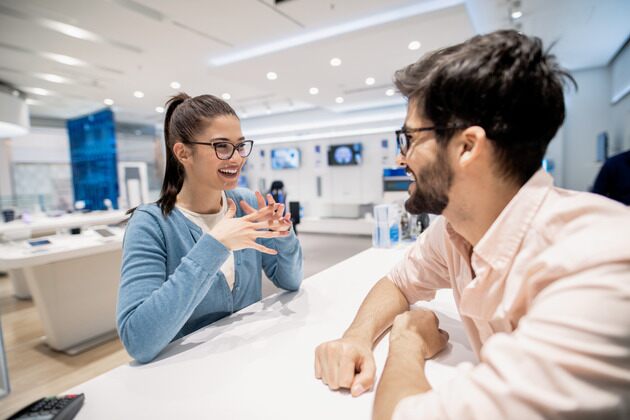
[370, 81]
[138, 94]
[516, 15]
[175, 85]
[226, 96]
[339, 99]
[272, 75]
[390, 92]
[313, 91]
[108, 102]
[159, 109]
[414, 45]
[335, 62]
[38, 91]
[52, 78]
[65, 59]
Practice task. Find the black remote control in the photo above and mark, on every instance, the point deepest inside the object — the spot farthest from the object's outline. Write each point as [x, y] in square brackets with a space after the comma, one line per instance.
[52, 408]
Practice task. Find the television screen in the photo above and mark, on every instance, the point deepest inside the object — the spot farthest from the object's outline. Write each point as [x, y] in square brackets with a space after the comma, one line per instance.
[344, 154]
[285, 158]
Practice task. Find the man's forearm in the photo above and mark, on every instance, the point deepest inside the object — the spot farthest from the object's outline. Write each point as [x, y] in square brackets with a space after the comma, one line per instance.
[377, 312]
[402, 376]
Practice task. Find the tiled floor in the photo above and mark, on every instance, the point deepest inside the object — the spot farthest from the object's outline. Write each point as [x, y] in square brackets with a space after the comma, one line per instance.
[35, 370]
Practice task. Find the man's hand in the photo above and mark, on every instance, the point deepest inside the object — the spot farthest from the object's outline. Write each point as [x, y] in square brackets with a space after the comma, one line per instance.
[346, 363]
[417, 330]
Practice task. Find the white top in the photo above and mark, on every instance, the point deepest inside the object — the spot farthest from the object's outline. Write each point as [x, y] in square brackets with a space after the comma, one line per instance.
[258, 362]
[206, 222]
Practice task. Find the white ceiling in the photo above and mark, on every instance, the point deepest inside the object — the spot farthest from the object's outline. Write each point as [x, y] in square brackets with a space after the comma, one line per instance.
[146, 44]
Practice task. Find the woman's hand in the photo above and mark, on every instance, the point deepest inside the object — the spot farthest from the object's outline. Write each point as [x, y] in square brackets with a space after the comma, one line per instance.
[242, 232]
[277, 222]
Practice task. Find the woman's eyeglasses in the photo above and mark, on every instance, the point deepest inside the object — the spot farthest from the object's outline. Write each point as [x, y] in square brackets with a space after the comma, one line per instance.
[225, 150]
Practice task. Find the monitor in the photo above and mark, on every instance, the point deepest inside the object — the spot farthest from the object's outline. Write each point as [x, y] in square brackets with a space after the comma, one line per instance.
[344, 154]
[285, 158]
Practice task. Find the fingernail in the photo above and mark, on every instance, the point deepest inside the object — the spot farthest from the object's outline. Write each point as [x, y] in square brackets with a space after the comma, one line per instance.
[357, 390]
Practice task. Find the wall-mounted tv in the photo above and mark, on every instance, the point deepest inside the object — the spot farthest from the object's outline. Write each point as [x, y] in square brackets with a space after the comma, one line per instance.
[285, 158]
[344, 154]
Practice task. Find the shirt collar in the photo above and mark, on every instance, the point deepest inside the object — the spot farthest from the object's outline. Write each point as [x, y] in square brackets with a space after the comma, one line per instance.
[499, 244]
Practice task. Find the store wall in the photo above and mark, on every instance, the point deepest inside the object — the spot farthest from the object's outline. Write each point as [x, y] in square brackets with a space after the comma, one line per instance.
[343, 189]
[588, 114]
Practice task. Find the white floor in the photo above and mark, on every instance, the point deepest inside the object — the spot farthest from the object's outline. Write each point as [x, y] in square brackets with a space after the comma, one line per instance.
[322, 251]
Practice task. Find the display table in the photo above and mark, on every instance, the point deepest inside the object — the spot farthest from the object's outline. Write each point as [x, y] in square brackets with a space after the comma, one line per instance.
[258, 363]
[74, 282]
[45, 225]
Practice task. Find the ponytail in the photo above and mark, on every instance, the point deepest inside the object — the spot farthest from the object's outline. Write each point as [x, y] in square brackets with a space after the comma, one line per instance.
[174, 172]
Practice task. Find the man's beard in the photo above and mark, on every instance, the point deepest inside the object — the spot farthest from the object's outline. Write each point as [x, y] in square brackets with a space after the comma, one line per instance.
[432, 185]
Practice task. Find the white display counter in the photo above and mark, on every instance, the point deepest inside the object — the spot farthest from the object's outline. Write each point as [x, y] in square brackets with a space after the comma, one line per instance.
[258, 363]
[74, 282]
[44, 225]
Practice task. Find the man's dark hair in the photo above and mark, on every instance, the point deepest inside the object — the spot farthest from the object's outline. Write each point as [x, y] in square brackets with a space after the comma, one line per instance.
[504, 82]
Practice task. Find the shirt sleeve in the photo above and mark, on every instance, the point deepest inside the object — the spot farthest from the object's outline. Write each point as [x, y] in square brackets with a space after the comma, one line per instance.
[423, 270]
[568, 358]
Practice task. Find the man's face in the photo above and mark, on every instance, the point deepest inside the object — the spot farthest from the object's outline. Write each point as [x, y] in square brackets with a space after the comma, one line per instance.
[428, 162]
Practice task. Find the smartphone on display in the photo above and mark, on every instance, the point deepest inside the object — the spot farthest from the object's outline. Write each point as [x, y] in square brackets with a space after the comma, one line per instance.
[105, 233]
[39, 242]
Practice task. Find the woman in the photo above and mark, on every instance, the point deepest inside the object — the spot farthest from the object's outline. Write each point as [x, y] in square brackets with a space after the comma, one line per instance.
[195, 255]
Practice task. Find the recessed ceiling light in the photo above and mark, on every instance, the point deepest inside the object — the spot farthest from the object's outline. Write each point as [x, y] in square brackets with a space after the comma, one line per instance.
[369, 81]
[108, 102]
[175, 85]
[390, 92]
[517, 14]
[335, 62]
[272, 75]
[138, 94]
[226, 96]
[414, 45]
[339, 99]
[313, 91]
[159, 109]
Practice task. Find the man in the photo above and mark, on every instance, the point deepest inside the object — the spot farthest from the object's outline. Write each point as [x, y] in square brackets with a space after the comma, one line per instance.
[613, 180]
[540, 275]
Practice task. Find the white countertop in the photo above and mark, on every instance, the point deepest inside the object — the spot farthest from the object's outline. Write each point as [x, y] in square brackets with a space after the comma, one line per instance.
[20, 254]
[44, 223]
[258, 363]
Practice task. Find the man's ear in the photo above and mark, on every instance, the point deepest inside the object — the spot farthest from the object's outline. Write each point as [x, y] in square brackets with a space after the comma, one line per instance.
[471, 144]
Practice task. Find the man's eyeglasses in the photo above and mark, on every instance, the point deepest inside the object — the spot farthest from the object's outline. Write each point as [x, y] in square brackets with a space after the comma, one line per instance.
[225, 150]
[403, 136]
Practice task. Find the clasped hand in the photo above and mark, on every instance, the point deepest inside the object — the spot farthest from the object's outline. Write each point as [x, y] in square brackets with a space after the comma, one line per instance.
[268, 221]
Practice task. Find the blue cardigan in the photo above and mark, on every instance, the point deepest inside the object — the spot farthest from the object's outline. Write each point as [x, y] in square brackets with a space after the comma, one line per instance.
[171, 283]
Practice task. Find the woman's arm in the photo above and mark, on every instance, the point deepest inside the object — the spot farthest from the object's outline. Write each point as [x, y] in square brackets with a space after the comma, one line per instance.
[285, 268]
[152, 308]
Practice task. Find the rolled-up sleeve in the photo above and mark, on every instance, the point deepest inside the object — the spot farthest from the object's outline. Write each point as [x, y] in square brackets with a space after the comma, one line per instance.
[568, 358]
[423, 270]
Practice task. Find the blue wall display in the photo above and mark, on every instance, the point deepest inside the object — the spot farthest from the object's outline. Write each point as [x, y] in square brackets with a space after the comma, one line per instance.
[93, 157]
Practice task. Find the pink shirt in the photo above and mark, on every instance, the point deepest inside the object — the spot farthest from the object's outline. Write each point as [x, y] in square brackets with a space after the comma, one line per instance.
[545, 301]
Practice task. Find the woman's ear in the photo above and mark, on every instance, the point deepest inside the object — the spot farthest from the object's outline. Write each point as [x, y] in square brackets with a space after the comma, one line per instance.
[181, 152]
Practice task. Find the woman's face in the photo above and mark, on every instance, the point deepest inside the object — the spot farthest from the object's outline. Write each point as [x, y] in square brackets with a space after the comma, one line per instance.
[205, 168]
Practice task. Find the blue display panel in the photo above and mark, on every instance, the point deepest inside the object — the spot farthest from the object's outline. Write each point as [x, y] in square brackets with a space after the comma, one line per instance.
[93, 157]
[285, 158]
